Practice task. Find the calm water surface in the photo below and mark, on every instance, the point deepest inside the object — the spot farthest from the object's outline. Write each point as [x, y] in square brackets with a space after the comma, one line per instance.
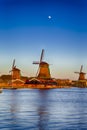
[52, 109]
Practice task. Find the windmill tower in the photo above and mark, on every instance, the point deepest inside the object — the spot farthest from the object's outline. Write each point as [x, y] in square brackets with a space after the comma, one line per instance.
[15, 72]
[81, 74]
[43, 70]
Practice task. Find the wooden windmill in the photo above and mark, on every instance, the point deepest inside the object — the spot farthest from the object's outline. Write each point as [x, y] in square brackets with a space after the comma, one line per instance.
[81, 74]
[43, 70]
[15, 72]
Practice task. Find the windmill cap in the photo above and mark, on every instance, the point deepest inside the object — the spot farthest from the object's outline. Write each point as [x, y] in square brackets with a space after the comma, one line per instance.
[16, 69]
[44, 63]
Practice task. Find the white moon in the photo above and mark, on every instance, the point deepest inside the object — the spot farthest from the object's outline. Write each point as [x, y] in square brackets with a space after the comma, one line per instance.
[49, 17]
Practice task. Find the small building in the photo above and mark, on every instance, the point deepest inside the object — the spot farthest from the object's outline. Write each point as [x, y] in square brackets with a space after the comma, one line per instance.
[17, 83]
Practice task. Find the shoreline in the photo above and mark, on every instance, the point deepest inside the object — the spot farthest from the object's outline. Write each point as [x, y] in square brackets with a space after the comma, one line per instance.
[33, 86]
[39, 87]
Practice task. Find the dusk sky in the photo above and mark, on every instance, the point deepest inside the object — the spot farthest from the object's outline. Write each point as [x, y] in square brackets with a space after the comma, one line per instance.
[26, 29]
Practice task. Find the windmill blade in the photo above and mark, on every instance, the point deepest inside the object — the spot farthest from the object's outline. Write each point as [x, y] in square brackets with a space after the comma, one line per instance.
[36, 62]
[42, 55]
[10, 71]
[76, 72]
[81, 68]
[37, 71]
[13, 65]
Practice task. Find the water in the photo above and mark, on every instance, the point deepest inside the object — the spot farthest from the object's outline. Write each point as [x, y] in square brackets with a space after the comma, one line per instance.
[52, 109]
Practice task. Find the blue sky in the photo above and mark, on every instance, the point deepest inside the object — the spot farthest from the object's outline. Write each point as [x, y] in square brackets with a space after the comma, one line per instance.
[25, 30]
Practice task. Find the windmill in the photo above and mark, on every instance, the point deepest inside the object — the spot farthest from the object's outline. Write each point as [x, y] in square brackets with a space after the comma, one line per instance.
[15, 72]
[81, 74]
[43, 69]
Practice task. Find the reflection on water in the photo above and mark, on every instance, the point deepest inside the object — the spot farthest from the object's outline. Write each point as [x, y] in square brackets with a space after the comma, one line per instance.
[52, 109]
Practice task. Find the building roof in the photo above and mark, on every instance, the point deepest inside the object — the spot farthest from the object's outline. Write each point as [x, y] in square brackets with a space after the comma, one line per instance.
[17, 81]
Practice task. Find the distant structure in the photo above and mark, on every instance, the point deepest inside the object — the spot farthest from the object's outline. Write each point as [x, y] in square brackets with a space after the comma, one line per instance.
[81, 74]
[43, 70]
[15, 72]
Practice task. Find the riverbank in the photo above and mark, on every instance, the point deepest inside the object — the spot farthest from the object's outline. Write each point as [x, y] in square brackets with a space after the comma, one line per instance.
[5, 86]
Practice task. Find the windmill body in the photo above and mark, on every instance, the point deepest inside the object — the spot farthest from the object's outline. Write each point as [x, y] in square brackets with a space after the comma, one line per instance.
[15, 73]
[43, 70]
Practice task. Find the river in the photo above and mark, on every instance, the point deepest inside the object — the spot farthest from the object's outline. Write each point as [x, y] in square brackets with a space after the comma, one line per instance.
[49, 109]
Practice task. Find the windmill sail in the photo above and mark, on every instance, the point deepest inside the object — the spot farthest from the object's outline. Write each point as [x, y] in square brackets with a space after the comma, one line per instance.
[36, 62]
[81, 68]
[13, 64]
[42, 54]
